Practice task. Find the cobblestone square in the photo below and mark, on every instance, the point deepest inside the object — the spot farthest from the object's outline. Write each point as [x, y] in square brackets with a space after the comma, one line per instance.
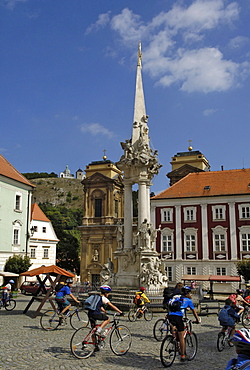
[24, 345]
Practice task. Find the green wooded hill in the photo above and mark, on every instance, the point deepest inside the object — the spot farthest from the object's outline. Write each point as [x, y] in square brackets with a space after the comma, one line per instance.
[58, 192]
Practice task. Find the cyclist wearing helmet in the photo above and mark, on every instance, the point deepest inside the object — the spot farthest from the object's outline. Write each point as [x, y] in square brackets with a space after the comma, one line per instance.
[240, 301]
[241, 340]
[176, 318]
[99, 313]
[7, 290]
[61, 296]
[141, 299]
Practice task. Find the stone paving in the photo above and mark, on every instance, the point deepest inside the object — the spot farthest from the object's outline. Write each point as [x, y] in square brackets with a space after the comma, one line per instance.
[24, 345]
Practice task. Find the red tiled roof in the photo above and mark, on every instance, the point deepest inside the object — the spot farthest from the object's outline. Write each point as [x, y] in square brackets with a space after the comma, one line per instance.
[37, 214]
[208, 184]
[7, 170]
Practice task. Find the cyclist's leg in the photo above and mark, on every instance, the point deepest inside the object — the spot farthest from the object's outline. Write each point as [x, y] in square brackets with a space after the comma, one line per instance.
[176, 321]
[66, 306]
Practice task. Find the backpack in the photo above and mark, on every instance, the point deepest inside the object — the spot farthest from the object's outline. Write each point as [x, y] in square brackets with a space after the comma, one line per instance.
[243, 366]
[137, 299]
[91, 302]
[223, 316]
[175, 303]
[58, 287]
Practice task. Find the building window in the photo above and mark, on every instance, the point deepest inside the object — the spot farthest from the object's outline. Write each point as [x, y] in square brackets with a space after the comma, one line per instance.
[32, 252]
[191, 270]
[167, 215]
[45, 253]
[219, 212]
[35, 229]
[16, 237]
[169, 273]
[190, 239]
[98, 207]
[219, 239]
[116, 208]
[18, 202]
[189, 213]
[166, 240]
[244, 211]
[221, 271]
[44, 229]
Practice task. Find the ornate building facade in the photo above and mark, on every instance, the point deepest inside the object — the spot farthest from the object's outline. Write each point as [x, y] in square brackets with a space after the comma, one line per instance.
[103, 205]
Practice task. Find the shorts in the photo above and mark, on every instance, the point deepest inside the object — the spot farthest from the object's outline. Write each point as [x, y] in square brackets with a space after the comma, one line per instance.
[176, 321]
[97, 316]
[62, 302]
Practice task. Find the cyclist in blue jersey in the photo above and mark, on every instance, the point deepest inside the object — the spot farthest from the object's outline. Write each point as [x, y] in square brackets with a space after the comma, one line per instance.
[61, 296]
[176, 318]
[241, 340]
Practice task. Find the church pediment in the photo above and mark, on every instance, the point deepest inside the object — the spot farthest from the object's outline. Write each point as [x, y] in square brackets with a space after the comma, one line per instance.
[184, 170]
[97, 177]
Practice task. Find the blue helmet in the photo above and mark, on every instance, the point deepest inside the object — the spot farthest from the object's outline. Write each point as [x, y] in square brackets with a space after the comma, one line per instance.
[241, 340]
[186, 289]
[12, 282]
[105, 288]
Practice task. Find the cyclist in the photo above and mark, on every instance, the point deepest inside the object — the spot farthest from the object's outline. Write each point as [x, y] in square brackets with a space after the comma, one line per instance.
[241, 340]
[99, 313]
[230, 316]
[176, 318]
[61, 297]
[240, 301]
[142, 300]
[7, 290]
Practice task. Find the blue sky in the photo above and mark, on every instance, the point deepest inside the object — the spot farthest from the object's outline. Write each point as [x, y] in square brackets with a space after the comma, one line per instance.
[67, 80]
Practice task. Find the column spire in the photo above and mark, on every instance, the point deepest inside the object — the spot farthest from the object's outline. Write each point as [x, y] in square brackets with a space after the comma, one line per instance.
[140, 127]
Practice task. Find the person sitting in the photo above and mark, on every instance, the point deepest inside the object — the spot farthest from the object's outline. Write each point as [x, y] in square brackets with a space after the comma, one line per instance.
[100, 313]
[241, 340]
[227, 317]
[61, 297]
[141, 300]
[175, 317]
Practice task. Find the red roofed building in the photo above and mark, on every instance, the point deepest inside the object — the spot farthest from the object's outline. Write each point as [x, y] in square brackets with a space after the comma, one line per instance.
[205, 223]
[15, 202]
[43, 240]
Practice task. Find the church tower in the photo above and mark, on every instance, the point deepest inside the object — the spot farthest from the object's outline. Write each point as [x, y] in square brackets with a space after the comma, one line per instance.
[103, 210]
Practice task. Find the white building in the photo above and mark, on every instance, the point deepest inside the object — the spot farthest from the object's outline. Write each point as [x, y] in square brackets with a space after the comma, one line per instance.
[66, 173]
[43, 240]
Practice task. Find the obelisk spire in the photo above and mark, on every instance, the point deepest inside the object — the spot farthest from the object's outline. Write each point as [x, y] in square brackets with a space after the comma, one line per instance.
[140, 127]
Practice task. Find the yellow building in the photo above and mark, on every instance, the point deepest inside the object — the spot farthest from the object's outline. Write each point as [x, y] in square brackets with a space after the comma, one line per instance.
[103, 205]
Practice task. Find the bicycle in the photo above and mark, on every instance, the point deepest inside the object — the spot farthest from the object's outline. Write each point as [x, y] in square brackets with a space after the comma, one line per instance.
[9, 304]
[161, 328]
[224, 338]
[171, 346]
[245, 317]
[84, 342]
[135, 313]
[50, 320]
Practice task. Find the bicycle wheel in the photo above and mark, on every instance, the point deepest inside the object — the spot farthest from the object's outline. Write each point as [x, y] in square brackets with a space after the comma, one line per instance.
[132, 315]
[120, 340]
[246, 319]
[191, 345]
[79, 319]
[221, 342]
[10, 305]
[82, 344]
[168, 351]
[49, 320]
[148, 314]
[161, 329]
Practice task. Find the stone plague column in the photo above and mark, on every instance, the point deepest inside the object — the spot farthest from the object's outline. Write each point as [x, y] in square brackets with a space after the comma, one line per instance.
[138, 262]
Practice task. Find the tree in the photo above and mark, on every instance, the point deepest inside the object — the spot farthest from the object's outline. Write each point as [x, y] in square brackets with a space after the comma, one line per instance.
[243, 268]
[17, 264]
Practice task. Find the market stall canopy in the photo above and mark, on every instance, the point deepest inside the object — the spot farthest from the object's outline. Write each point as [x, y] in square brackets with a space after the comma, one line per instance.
[49, 271]
[52, 270]
[8, 274]
[196, 277]
[211, 278]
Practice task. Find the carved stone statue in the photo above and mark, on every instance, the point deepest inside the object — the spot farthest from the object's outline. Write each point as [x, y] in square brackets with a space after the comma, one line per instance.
[95, 256]
[107, 272]
[120, 235]
[144, 233]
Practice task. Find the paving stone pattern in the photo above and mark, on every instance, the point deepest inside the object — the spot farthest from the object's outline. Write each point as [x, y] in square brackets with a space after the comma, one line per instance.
[24, 345]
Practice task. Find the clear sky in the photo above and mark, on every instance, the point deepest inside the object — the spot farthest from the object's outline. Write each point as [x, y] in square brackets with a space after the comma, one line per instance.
[68, 70]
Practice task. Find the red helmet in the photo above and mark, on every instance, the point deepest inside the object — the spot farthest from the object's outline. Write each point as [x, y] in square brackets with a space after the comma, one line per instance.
[142, 289]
